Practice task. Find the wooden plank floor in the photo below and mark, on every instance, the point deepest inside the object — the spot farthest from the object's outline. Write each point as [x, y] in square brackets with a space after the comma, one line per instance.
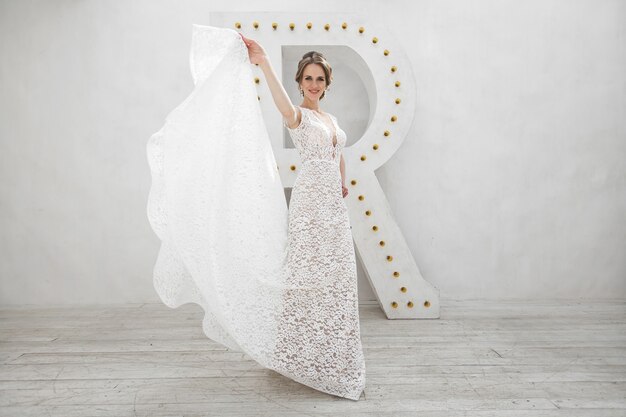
[481, 358]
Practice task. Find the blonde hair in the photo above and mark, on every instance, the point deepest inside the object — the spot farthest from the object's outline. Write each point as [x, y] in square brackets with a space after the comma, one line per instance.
[314, 57]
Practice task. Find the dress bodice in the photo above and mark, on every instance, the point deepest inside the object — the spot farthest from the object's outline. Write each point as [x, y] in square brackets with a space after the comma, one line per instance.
[314, 138]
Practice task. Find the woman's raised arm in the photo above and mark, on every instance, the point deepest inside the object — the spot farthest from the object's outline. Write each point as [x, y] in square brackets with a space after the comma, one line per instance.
[281, 99]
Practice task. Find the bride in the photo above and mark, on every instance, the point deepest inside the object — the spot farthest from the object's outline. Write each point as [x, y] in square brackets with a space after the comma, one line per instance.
[278, 284]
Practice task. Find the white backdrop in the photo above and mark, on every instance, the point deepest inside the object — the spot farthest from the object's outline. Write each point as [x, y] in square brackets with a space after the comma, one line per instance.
[513, 184]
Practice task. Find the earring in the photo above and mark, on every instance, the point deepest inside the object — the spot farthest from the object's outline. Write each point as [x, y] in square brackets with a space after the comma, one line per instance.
[302, 92]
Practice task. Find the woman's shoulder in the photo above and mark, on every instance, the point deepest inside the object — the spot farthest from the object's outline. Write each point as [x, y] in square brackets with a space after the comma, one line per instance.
[298, 117]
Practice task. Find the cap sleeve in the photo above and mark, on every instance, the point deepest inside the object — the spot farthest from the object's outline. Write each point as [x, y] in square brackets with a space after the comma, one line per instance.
[285, 122]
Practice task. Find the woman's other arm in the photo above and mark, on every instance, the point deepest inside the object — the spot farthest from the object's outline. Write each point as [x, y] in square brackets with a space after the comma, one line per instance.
[281, 99]
[342, 169]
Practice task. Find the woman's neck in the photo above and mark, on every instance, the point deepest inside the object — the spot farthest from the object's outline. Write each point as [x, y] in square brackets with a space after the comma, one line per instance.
[311, 105]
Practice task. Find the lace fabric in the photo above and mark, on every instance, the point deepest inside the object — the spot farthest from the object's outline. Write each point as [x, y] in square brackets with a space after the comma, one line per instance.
[274, 282]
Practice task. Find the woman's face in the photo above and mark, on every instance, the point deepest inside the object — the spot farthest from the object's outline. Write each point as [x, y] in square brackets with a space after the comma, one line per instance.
[313, 81]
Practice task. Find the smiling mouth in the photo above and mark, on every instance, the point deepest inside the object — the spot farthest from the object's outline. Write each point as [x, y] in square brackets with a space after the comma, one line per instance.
[314, 92]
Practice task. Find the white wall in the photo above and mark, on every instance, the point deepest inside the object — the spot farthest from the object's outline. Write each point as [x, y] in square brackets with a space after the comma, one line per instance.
[511, 186]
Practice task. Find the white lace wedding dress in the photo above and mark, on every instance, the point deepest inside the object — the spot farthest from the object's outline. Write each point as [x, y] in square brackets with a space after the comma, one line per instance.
[276, 283]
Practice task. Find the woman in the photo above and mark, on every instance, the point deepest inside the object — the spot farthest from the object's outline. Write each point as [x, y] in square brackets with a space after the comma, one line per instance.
[275, 282]
[319, 333]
